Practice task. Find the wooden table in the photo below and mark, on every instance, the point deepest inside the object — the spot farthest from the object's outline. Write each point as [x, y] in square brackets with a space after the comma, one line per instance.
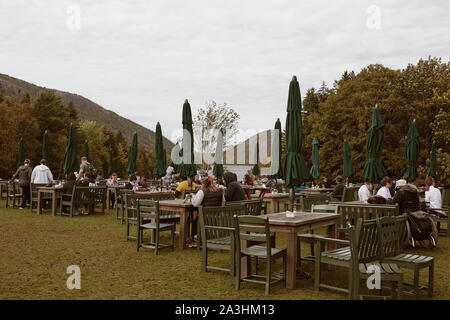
[275, 198]
[55, 195]
[184, 209]
[302, 222]
[311, 190]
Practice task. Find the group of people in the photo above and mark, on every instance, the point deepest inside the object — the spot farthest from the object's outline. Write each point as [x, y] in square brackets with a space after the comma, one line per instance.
[405, 194]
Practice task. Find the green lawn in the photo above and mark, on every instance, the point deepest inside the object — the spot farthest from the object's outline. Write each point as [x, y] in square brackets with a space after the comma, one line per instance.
[36, 250]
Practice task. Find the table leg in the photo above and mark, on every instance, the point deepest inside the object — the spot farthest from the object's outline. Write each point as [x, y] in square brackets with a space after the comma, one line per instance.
[291, 260]
[245, 261]
[54, 203]
[39, 203]
[183, 229]
[331, 233]
[108, 199]
[274, 206]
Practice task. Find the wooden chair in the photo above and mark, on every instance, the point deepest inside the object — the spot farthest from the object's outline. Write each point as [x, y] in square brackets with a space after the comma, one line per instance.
[257, 229]
[308, 200]
[122, 201]
[148, 218]
[34, 194]
[363, 248]
[217, 232]
[14, 194]
[348, 195]
[88, 197]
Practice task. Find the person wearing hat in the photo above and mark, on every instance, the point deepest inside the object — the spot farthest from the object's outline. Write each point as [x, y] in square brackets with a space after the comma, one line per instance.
[338, 189]
[406, 196]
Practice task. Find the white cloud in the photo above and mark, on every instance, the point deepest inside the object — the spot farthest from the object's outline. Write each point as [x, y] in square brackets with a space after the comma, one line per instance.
[141, 59]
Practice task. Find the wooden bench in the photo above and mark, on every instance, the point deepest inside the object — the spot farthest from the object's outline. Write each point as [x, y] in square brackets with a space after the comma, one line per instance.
[83, 196]
[14, 194]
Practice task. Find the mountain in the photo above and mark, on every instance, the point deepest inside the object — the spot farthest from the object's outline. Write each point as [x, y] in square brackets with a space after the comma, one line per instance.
[87, 110]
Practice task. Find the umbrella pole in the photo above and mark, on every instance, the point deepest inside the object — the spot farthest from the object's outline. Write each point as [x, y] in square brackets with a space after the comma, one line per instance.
[292, 198]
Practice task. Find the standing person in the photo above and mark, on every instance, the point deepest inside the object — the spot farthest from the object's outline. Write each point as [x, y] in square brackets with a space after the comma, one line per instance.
[432, 194]
[338, 189]
[112, 182]
[85, 167]
[234, 190]
[168, 177]
[365, 191]
[42, 174]
[23, 173]
[386, 185]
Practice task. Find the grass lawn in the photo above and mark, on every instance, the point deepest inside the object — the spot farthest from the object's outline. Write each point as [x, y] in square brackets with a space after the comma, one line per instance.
[35, 252]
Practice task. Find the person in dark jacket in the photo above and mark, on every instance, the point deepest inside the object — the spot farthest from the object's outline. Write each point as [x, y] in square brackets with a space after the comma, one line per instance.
[234, 190]
[24, 176]
[67, 188]
[407, 197]
[338, 189]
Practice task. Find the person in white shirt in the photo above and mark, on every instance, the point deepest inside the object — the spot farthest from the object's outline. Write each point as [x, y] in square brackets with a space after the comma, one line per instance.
[166, 179]
[432, 194]
[41, 174]
[364, 191]
[386, 184]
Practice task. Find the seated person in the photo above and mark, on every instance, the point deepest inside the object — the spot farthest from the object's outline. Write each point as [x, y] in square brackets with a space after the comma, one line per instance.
[234, 190]
[143, 183]
[365, 191]
[86, 181]
[406, 196]
[432, 194]
[386, 185]
[182, 186]
[248, 180]
[132, 183]
[209, 195]
[338, 189]
[325, 183]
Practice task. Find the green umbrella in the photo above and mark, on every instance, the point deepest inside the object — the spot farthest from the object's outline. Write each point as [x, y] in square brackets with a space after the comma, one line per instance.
[279, 173]
[159, 170]
[86, 149]
[315, 172]
[373, 168]
[255, 169]
[348, 166]
[187, 168]
[218, 163]
[132, 155]
[432, 170]
[70, 156]
[20, 154]
[295, 167]
[412, 152]
[110, 166]
[45, 147]
[164, 158]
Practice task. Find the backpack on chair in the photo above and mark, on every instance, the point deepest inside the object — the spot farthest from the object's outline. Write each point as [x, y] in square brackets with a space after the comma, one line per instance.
[421, 227]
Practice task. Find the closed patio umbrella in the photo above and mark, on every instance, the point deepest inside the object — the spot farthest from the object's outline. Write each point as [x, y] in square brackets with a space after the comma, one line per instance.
[296, 170]
[187, 168]
[218, 162]
[110, 164]
[70, 156]
[277, 174]
[160, 169]
[412, 152]
[315, 172]
[432, 169]
[20, 153]
[373, 168]
[255, 169]
[45, 147]
[347, 157]
[132, 155]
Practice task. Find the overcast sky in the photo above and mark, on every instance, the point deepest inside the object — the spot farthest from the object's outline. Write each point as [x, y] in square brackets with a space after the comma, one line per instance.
[141, 59]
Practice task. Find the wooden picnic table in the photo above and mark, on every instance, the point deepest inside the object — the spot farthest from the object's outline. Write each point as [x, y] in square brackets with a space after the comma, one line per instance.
[184, 209]
[302, 222]
[275, 198]
[54, 191]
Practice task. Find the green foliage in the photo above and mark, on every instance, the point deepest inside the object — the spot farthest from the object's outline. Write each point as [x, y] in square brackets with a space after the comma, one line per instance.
[419, 92]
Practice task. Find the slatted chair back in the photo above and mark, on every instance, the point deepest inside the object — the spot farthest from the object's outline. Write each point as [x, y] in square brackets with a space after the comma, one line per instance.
[350, 213]
[307, 200]
[364, 242]
[131, 203]
[148, 209]
[101, 183]
[218, 222]
[255, 229]
[82, 196]
[323, 208]
[389, 236]
[160, 197]
[348, 195]
[254, 206]
[98, 194]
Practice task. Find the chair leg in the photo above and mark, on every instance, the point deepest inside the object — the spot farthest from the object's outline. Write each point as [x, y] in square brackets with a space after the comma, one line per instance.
[232, 260]
[172, 243]
[205, 258]
[238, 270]
[353, 284]
[400, 288]
[317, 268]
[268, 275]
[431, 279]
[416, 281]
[127, 229]
[138, 237]
[256, 265]
[156, 242]
[299, 260]
[284, 270]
